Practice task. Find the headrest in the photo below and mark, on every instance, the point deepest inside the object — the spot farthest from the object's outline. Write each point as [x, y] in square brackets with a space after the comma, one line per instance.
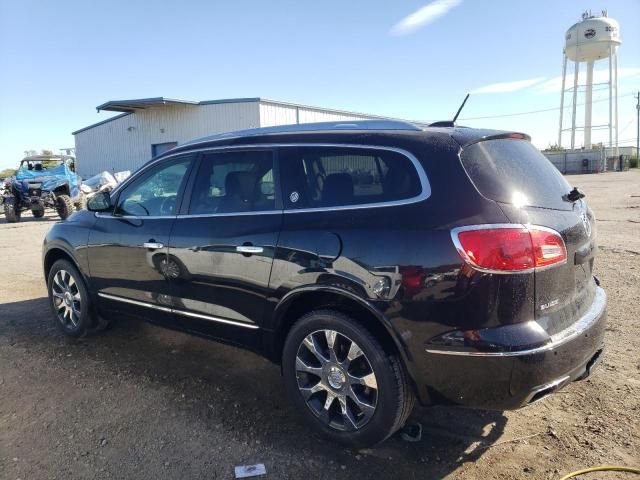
[338, 188]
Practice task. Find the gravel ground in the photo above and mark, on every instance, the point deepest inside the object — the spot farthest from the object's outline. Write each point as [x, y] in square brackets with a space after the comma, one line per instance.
[142, 402]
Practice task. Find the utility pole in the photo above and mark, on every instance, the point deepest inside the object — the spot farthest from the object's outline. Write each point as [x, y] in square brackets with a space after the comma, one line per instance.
[638, 125]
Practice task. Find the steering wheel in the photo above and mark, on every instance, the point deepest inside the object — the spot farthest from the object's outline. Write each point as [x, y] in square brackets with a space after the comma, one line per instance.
[166, 208]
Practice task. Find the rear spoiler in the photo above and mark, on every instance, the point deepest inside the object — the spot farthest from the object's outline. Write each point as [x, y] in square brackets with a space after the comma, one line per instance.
[511, 135]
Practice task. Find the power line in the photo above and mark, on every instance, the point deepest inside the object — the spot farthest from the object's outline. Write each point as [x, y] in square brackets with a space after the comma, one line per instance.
[538, 111]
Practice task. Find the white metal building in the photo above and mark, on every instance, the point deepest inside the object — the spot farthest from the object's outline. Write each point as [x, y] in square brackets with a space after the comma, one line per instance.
[147, 127]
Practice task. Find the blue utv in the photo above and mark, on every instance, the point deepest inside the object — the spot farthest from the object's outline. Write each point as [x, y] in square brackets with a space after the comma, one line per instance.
[44, 181]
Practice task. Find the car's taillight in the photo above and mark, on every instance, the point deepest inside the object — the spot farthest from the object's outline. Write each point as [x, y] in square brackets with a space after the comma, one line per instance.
[509, 248]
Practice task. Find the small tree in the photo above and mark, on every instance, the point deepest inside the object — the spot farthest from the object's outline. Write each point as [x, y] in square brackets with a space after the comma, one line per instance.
[554, 148]
[46, 152]
[7, 172]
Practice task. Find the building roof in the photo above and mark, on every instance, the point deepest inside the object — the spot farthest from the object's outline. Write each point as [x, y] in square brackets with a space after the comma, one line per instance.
[131, 106]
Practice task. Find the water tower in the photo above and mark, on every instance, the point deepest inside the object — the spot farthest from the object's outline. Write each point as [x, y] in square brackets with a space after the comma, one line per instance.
[593, 38]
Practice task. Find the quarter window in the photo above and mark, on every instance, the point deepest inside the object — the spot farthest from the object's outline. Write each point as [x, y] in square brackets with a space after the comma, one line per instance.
[156, 192]
[340, 176]
[231, 182]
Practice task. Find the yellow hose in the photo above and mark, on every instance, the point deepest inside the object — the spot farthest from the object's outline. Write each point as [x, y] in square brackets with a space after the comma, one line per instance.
[602, 468]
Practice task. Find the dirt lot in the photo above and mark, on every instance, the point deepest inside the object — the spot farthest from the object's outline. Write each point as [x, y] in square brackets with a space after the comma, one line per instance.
[141, 402]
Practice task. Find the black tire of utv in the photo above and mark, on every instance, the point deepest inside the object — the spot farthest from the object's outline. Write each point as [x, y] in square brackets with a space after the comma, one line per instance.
[82, 204]
[37, 213]
[396, 397]
[11, 214]
[86, 321]
[64, 206]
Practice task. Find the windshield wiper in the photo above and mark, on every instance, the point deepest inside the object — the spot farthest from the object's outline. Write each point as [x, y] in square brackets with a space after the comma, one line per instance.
[573, 196]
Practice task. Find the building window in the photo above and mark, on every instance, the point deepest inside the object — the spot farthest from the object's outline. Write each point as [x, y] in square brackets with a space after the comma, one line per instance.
[160, 148]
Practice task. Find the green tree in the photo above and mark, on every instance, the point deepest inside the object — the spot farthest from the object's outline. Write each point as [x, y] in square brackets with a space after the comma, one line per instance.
[46, 151]
[554, 148]
[7, 172]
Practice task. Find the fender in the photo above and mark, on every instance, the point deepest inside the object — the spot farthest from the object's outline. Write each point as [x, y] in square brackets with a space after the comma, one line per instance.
[286, 301]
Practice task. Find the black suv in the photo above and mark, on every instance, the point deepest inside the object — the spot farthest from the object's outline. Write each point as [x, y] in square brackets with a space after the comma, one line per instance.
[376, 261]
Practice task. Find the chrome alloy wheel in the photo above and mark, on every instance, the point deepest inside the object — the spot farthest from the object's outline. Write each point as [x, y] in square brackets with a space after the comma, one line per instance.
[66, 299]
[336, 380]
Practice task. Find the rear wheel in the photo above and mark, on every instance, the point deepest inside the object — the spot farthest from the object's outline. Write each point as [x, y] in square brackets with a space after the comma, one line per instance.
[82, 203]
[38, 213]
[69, 299]
[343, 382]
[11, 213]
[64, 206]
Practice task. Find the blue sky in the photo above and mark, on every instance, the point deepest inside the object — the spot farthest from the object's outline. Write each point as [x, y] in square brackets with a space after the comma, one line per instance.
[59, 60]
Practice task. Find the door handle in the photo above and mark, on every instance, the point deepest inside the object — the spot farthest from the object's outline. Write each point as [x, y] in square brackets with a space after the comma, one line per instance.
[249, 249]
[152, 245]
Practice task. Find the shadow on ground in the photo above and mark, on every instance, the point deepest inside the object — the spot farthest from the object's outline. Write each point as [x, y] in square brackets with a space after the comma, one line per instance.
[230, 391]
[26, 217]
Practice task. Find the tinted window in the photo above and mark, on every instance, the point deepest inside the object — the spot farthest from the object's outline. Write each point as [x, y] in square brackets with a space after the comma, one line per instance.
[229, 182]
[336, 176]
[514, 171]
[156, 192]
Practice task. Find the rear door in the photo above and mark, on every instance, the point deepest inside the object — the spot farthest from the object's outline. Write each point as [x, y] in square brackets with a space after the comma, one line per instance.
[127, 248]
[530, 190]
[222, 245]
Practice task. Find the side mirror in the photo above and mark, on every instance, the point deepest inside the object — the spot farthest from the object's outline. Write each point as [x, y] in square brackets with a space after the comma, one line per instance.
[100, 202]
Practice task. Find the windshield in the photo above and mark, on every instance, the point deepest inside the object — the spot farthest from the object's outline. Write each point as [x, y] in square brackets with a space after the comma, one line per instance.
[515, 172]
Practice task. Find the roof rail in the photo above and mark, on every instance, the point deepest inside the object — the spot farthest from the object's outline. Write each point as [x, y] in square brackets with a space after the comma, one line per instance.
[313, 127]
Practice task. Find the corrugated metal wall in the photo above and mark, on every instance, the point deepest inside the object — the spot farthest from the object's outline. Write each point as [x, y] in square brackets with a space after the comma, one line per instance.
[125, 143]
[272, 114]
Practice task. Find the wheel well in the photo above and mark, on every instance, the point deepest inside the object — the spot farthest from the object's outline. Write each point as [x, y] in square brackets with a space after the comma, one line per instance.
[310, 301]
[52, 257]
[62, 190]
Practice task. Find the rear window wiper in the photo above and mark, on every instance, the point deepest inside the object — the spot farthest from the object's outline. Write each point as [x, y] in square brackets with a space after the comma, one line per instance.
[573, 196]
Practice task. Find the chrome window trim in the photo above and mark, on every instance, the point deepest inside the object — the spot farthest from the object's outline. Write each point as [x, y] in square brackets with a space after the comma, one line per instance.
[486, 226]
[179, 312]
[422, 176]
[556, 340]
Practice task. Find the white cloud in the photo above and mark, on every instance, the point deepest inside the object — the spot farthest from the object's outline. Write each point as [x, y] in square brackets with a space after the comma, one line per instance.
[504, 87]
[425, 15]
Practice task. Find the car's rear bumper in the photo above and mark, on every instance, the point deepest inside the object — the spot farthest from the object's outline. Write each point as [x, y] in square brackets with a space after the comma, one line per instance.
[517, 377]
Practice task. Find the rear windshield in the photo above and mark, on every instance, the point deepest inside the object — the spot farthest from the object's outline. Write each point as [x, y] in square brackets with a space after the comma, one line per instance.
[514, 171]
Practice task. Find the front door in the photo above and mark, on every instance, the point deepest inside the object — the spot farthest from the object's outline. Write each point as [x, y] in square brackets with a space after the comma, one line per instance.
[127, 249]
[222, 245]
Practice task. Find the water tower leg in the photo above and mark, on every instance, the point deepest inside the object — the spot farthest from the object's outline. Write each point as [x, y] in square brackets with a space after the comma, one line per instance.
[615, 68]
[587, 106]
[564, 78]
[610, 98]
[576, 71]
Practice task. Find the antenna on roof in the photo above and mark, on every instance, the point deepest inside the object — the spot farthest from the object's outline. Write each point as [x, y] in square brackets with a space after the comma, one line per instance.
[460, 109]
[450, 123]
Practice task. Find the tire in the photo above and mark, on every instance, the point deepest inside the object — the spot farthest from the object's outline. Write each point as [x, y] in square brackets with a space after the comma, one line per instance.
[64, 206]
[11, 213]
[37, 213]
[69, 299]
[388, 391]
[82, 203]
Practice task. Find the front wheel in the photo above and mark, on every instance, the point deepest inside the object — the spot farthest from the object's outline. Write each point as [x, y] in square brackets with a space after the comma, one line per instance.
[342, 380]
[37, 212]
[69, 299]
[82, 203]
[11, 213]
[64, 206]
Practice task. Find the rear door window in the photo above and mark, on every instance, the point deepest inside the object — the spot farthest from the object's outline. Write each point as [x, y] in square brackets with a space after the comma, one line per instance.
[515, 172]
[234, 182]
[317, 177]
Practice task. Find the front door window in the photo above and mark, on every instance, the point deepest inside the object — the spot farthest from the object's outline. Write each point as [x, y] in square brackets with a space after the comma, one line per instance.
[154, 194]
